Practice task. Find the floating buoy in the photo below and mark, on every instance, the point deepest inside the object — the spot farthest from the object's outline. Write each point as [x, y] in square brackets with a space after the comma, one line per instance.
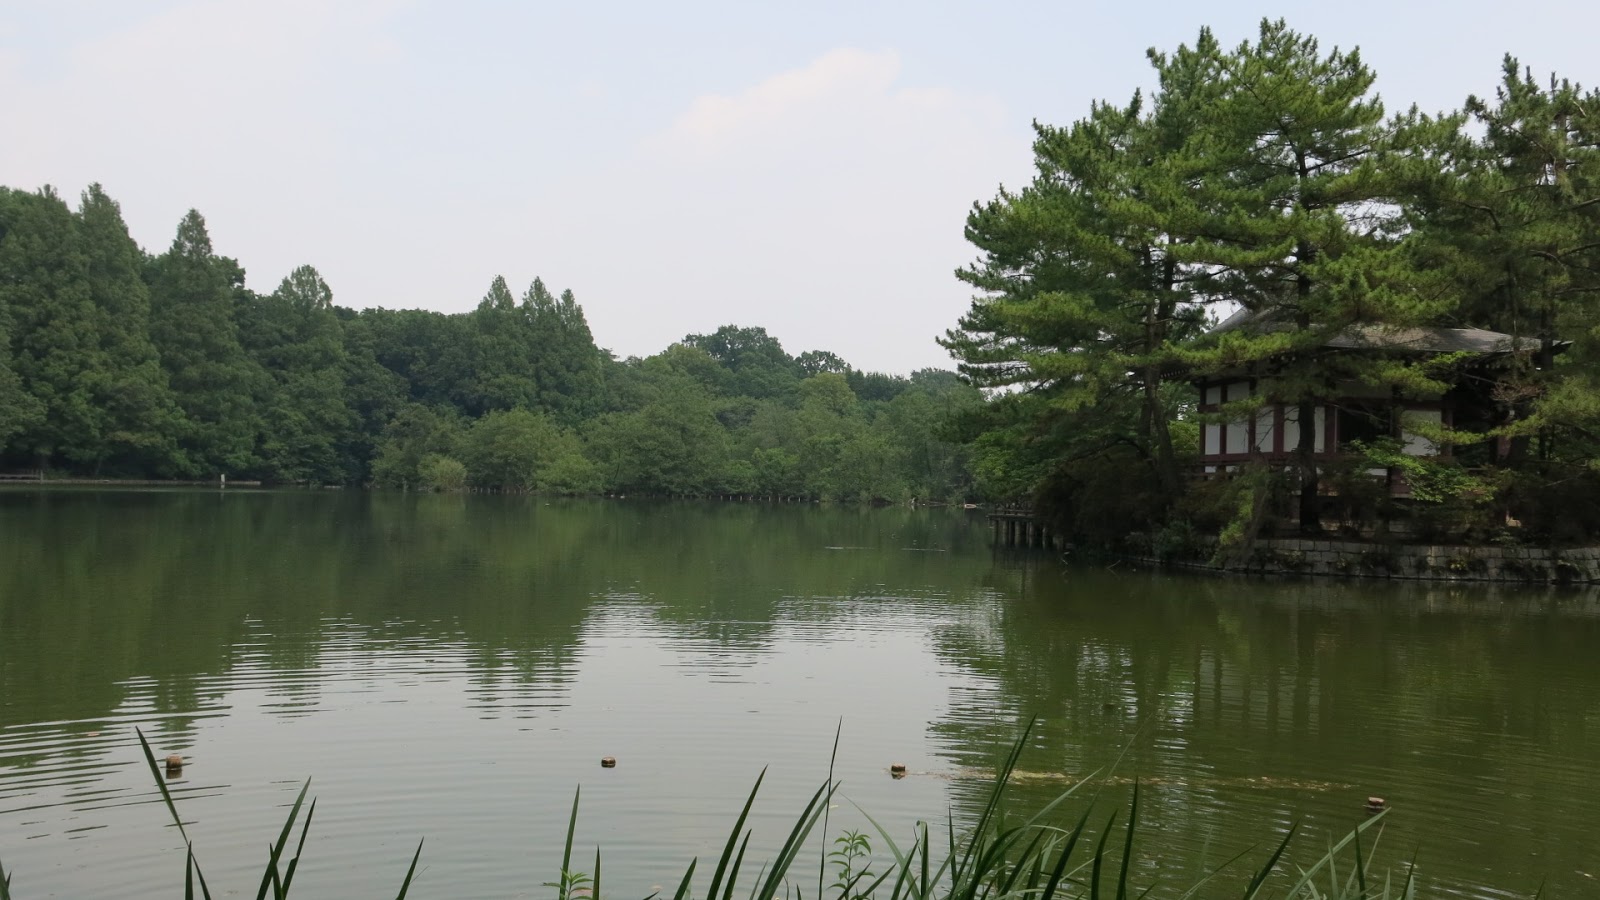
[174, 763]
[897, 770]
[608, 762]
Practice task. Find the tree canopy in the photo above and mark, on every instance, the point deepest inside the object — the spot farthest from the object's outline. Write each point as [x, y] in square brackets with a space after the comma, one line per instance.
[115, 362]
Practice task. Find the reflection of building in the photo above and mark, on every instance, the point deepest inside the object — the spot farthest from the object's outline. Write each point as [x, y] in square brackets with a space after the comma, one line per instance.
[1269, 431]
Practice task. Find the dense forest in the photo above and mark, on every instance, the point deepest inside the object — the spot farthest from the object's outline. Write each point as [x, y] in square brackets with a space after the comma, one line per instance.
[1268, 178]
[118, 363]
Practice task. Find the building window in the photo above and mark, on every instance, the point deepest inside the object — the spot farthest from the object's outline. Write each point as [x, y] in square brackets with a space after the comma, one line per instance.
[1361, 422]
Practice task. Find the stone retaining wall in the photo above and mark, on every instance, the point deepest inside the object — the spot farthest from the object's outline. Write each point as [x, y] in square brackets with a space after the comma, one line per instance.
[1359, 559]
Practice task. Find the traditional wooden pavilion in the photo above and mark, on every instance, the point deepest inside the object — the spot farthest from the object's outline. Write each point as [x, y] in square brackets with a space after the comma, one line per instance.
[1352, 410]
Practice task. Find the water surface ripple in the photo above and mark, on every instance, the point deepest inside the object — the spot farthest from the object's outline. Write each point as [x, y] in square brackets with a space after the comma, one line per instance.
[454, 667]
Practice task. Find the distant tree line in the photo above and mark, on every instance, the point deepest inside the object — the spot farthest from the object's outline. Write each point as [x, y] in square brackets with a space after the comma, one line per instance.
[118, 363]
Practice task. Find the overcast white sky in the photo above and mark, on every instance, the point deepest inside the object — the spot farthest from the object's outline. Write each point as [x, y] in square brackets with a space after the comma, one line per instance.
[803, 167]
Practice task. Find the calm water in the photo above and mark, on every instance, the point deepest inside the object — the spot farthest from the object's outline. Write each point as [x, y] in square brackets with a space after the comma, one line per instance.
[454, 667]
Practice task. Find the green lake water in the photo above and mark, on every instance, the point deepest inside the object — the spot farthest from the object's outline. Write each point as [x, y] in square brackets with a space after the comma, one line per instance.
[454, 667]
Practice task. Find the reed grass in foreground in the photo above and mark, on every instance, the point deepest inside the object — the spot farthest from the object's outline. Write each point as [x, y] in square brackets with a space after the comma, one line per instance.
[1041, 858]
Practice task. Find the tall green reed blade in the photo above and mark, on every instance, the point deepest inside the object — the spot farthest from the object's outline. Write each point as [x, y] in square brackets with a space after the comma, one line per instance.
[990, 866]
[191, 871]
[871, 890]
[5, 884]
[975, 845]
[1099, 858]
[738, 861]
[1408, 890]
[822, 854]
[1360, 875]
[565, 882]
[683, 886]
[1328, 859]
[733, 837]
[903, 873]
[768, 888]
[1025, 860]
[412, 871]
[927, 848]
[1194, 889]
[594, 886]
[1260, 878]
[1127, 846]
[1333, 873]
[270, 879]
[305, 828]
[1036, 868]
[906, 865]
[1060, 870]
[951, 858]
[166, 798]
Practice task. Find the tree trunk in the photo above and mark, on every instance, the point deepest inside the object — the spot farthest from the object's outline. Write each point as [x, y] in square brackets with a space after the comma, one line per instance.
[1305, 453]
[1155, 337]
[1161, 436]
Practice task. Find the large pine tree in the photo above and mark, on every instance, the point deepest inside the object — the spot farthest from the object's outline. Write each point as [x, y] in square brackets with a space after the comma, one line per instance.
[1515, 222]
[1293, 214]
[1082, 296]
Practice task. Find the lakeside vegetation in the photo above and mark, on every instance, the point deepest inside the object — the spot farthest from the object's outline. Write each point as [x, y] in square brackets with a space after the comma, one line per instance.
[119, 363]
[1270, 178]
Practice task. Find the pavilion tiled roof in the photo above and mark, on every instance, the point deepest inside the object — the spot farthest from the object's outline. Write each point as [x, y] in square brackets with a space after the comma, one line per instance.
[1377, 336]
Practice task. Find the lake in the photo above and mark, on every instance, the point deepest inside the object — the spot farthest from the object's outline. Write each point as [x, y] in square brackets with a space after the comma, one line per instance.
[454, 667]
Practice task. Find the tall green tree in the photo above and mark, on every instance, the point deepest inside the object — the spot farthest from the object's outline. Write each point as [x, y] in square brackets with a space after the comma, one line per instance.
[1294, 210]
[673, 444]
[295, 337]
[1082, 294]
[18, 409]
[415, 436]
[567, 366]
[502, 354]
[79, 333]
[141, 415]
[373, 393]
[523, 450]
[1514, 219]
[193, 327]
[756, 362]
[55, 345]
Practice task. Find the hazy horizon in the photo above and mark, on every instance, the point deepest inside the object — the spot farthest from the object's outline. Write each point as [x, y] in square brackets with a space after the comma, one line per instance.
[678, 168]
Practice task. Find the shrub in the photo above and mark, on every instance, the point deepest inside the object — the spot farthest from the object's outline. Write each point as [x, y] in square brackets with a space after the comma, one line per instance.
[441, 473]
